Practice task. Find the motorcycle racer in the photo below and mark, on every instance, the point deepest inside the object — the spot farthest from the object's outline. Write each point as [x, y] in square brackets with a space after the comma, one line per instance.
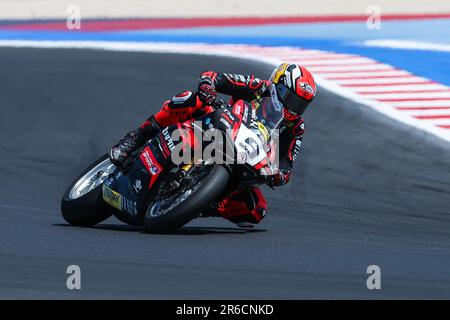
[292, 85]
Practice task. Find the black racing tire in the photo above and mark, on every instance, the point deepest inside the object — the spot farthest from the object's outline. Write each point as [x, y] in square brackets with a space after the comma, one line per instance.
[211, 189]
[89, 209]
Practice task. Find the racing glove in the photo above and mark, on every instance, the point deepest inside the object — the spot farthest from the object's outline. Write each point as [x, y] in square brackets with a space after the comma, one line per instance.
[280, 178]
[206, 91]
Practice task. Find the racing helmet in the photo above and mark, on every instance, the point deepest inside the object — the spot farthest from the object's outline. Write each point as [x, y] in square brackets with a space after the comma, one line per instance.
[293, 86]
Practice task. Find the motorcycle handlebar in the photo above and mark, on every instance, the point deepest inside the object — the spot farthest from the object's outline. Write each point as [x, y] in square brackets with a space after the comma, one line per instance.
[219, 103]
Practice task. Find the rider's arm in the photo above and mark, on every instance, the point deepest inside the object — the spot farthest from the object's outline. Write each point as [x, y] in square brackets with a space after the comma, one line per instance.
[290, 142]
[235, 85]
[291, 139]
[187, 105]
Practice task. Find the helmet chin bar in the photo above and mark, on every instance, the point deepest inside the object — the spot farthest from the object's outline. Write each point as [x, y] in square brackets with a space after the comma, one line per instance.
[291, 112]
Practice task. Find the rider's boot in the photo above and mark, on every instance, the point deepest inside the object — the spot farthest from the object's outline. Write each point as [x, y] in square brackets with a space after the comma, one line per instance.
[245, 207]
[132, 141]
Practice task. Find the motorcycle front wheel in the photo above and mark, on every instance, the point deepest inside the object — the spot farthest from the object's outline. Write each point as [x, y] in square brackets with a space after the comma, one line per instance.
[171, 211]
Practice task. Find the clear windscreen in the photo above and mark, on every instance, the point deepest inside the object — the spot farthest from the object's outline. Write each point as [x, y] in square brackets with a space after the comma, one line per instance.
[268, 113]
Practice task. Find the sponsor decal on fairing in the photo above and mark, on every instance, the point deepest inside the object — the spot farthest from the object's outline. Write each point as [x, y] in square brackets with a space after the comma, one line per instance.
[149, 162]
[112, 197]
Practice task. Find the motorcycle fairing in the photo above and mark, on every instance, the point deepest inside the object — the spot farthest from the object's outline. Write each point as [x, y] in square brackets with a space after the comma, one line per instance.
[128, 192]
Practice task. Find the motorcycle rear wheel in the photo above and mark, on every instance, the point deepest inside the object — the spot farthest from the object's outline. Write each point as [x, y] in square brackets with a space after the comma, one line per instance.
[86, 208]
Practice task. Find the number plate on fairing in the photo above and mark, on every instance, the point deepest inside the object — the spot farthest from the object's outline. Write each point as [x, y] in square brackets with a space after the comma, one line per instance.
[250, 144]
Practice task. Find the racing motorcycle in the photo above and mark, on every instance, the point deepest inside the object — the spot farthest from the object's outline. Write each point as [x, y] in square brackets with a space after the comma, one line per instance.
[154, 191]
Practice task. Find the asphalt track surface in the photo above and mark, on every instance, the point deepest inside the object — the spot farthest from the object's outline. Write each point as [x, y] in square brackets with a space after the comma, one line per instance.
[367, 190]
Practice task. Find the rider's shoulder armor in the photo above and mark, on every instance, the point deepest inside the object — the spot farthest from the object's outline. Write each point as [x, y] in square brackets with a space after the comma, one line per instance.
[183, 100]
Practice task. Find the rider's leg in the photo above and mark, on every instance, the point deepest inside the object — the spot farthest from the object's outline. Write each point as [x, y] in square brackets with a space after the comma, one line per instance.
[182, 107]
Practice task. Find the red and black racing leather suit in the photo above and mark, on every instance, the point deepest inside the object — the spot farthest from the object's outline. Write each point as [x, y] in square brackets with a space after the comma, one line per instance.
[247, 205]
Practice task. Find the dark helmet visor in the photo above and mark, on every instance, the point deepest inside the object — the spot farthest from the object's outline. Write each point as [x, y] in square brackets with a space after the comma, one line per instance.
[290, 100]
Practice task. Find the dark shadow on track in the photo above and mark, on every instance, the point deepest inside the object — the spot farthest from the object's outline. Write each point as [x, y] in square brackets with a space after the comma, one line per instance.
[183, 231]
[215, 230]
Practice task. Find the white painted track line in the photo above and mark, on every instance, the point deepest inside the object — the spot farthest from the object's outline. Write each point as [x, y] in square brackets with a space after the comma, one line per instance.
[416, 101]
